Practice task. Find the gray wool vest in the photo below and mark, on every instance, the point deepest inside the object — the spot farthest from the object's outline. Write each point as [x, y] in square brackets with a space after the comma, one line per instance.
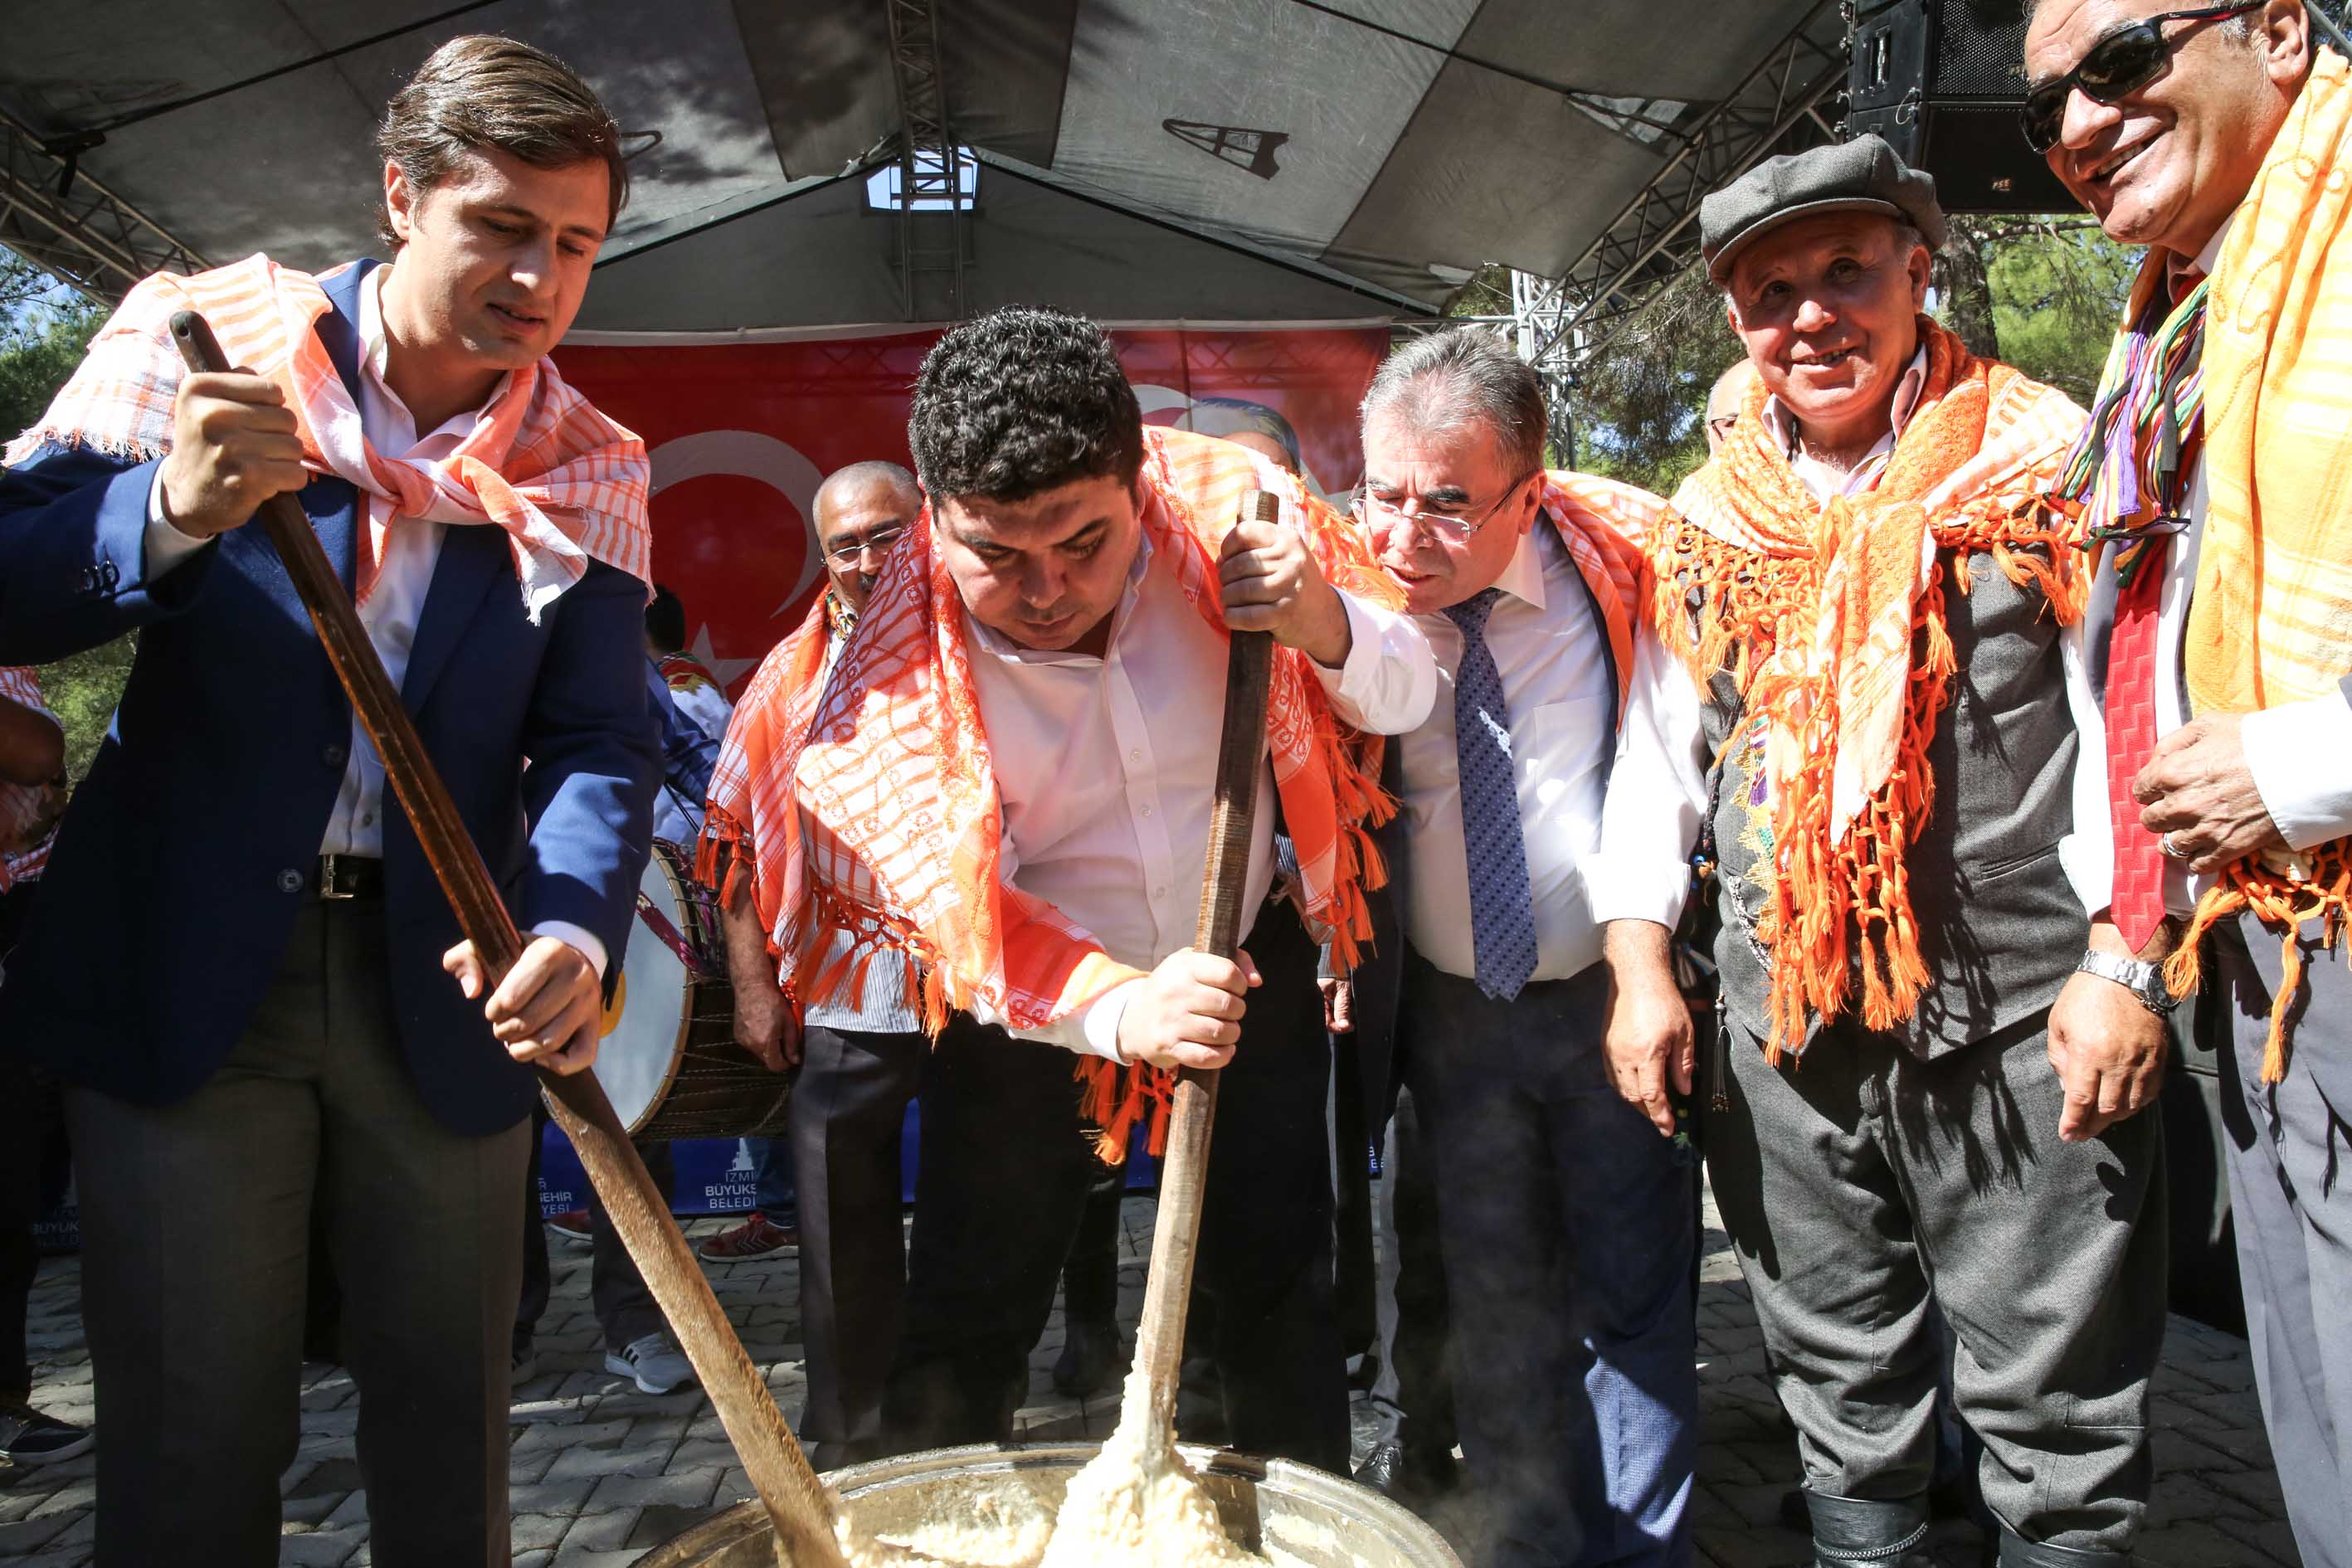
[2000, 925]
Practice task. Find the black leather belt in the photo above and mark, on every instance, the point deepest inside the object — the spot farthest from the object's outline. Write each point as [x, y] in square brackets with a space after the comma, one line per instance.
[350, 876]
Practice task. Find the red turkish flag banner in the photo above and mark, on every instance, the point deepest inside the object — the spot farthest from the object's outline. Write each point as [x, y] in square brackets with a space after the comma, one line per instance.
[742, 434]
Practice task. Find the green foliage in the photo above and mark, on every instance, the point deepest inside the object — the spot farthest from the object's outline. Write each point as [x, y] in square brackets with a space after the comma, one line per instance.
[1639, 404]
[2058, 289]
[43, 331]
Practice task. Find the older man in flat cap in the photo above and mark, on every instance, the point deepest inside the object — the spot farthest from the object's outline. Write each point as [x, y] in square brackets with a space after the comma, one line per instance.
[1849, 696]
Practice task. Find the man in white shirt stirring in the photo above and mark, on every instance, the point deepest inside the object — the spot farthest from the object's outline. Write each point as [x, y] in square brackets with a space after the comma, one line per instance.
[1009, 776]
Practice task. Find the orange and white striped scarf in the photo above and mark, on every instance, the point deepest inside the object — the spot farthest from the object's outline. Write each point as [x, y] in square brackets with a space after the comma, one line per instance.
[878, 813]
[564, 481]
[1816, 610]
[2270, 621]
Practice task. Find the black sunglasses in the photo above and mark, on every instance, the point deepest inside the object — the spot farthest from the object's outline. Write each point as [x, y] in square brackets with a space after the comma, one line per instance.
[2117, 66]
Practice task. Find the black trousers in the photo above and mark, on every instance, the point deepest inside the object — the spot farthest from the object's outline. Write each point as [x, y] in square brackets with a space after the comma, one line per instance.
[1412, 1398]
[197, 1248]
[848, 1108]
[20, 1183]
[1006, 1168]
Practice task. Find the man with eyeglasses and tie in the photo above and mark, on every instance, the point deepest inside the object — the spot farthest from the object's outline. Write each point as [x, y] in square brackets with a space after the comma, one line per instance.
[2214, 803]
[1568, 1228]
[860, 1058]
[1849, 693]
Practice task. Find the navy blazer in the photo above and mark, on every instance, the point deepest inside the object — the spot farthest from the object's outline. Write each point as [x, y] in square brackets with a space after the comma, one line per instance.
[173, 887]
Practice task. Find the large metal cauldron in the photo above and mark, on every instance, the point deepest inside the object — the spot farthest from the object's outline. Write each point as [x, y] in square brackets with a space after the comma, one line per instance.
[1312, 1518]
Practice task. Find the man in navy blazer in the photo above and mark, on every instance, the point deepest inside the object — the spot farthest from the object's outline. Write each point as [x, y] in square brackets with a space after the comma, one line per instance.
[238, 960]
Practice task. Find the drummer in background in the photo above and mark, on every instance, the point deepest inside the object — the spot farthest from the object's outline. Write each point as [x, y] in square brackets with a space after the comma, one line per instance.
[692, 685]
[638, 1342]
[861, 1061]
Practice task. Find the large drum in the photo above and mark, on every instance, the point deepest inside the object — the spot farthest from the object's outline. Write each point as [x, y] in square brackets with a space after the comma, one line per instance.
[668, 1059]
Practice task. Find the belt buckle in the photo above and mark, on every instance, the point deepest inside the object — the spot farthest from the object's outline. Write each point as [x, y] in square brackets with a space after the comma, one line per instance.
[329, 866]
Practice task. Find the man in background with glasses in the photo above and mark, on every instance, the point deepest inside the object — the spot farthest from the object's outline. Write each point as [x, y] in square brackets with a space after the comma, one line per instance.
[1568, 1229]
[860, 1058]
[1849, 693]
[2213, 815]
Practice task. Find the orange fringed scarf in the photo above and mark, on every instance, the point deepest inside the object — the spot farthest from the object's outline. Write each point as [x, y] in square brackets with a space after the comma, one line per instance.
[884, 807]
[2270, 621]
[750, 796]
[1817, 610]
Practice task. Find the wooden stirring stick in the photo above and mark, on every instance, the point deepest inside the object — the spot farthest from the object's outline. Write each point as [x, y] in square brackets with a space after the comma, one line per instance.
[795, 1500]
[1176, 1232]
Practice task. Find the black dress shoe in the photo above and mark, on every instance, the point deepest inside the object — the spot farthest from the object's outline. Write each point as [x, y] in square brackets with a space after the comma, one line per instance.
[1091, 1361]
[1408, 1476]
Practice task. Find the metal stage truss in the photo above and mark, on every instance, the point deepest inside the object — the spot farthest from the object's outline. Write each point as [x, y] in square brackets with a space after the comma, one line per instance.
[53, 214]
[1562, 322]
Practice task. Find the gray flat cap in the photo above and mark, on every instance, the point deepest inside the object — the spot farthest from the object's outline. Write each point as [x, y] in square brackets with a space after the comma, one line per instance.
[1859, 176]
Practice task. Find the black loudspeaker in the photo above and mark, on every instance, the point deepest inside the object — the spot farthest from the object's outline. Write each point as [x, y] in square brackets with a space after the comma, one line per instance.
[1942, 80]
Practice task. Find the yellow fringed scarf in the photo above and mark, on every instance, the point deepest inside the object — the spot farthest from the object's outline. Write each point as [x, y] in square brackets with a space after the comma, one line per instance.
[2271, 620]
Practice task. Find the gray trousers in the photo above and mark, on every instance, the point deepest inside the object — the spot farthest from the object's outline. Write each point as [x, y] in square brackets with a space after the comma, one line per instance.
[2290, 1157]
[1861, 1184]
[196, 1236]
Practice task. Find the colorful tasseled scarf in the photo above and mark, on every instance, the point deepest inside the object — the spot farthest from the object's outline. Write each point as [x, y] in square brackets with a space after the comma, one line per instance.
[2147, 427]
[565, 482]
[2270, 620]
[1831, 619]
[873, 808]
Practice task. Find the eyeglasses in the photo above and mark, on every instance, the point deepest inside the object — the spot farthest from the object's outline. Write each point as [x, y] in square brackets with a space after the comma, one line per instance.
[2117, 66]
[1373, 511]
[848, 555]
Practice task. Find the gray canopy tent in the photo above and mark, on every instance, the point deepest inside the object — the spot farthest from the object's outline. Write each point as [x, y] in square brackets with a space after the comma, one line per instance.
[807, 163]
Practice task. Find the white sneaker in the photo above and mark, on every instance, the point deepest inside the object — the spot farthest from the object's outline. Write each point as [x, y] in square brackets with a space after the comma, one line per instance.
[655, 1362]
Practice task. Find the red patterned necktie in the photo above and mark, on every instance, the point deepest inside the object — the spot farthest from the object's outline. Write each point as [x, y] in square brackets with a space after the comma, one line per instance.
[2138, 894]
[2137, 898]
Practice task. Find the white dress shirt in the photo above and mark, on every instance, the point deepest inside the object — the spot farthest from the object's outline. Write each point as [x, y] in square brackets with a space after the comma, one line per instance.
[1657, 795]
[412, 548]
[2300, 753]
[1557, 692]
[1106, 767]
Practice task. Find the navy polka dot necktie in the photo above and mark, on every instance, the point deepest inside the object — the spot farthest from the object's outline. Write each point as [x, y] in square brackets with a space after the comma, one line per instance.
[1502, 916]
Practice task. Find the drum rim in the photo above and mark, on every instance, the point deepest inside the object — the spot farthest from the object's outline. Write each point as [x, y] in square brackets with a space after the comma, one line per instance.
[668, 864]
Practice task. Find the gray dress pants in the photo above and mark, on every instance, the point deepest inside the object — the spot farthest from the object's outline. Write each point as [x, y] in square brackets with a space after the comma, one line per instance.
[2290, 1157]
[1861, 1182]
[196, 1236]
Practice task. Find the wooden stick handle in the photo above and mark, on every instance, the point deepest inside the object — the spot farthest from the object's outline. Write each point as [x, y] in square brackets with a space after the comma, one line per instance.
[778, 1471]
[1224, 879]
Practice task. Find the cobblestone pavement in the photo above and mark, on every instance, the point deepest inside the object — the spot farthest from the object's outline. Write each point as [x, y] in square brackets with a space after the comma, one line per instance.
[601, 1472]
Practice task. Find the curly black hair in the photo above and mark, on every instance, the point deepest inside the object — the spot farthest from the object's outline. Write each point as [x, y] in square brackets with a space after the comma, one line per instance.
[1022, 401]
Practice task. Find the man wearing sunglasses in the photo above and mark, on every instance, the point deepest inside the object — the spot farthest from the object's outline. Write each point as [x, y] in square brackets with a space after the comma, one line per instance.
[1568, 1229]
[1849, 694]
[2214, 802]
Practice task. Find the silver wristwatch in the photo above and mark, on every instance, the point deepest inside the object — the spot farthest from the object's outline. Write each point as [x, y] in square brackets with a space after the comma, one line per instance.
[2142, 980]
